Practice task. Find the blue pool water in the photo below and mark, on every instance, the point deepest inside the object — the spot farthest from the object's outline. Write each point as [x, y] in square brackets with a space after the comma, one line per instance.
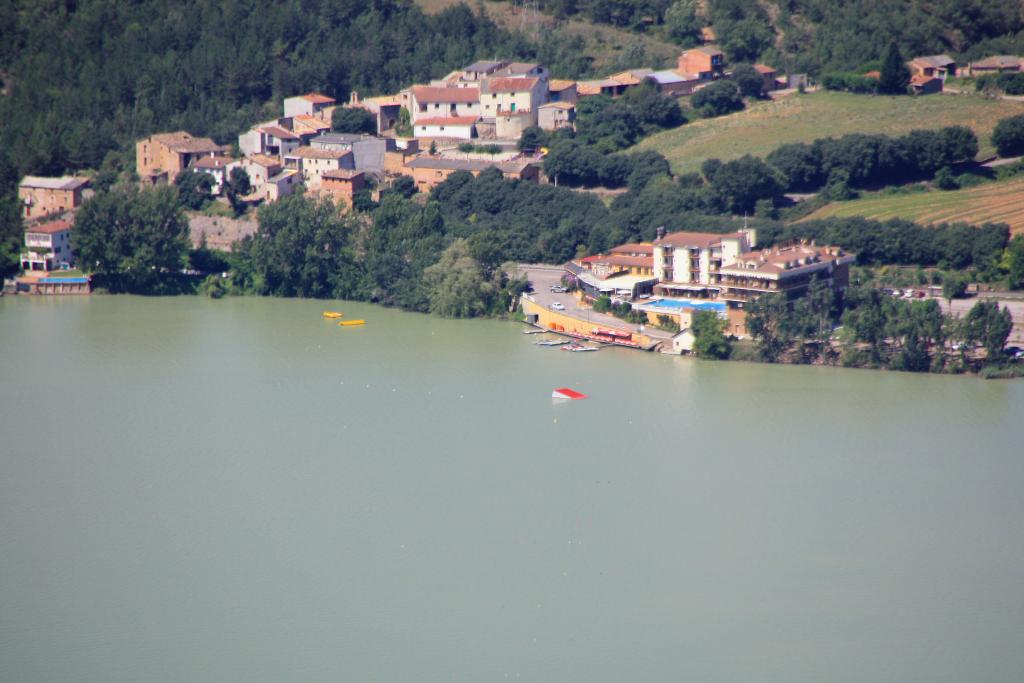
[717, 306]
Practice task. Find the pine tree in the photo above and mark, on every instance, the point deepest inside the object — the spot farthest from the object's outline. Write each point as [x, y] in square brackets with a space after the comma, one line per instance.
[895, 76]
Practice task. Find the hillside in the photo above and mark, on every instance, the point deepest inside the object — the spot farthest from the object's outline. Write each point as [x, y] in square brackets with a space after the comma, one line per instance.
[765, 125]
[599, 49]
[991, 203]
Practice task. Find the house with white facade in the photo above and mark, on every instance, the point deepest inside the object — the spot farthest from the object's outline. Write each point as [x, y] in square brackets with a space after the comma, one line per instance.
[313, 163]
[429, 102]
[310, 104]
[47, 246]
[454, 127]
[217, 167]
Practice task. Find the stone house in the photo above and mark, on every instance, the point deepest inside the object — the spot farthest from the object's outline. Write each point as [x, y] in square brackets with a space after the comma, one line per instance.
[40, 196]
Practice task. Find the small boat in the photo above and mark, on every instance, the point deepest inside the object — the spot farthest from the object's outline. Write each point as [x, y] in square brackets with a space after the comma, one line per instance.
[350, 323]
[568, 394]
[332, 314]
[577, 348]
[551, 342]
[534, 331]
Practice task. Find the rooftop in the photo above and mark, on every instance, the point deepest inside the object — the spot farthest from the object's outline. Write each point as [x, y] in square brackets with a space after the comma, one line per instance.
[278, 177]
[263, 160]
[341, 138]
[558, 85]
[314, 153]
[669, 76]
[764, 69]
[695, 240]
[66, 182]
[279, 132]
[707, 49]
[512, 166]
[484, 66]
[558, 105]
[342, 174]
[212, 162]
[184, 143]
[518, 68]
[50, 228]
[792, 259]
[934, 61]
[633, 248]
[631, 77]
[509, 84]
[429, 93]
[448, 121]
[317, 98]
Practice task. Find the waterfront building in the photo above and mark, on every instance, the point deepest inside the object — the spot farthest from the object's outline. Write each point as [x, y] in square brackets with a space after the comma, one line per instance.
[47, 247]
[789, 269]
[687, 263]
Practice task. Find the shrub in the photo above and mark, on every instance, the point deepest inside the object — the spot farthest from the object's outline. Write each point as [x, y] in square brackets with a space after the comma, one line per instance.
[1008, 136]
[716, 99]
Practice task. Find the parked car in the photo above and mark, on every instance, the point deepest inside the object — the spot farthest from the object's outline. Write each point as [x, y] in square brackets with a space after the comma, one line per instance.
[557, 306]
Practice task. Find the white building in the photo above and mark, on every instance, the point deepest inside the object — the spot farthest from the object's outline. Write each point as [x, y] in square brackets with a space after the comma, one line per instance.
[687, 263]
[268, 138]
[48, 246]
[456, 128]
[310, 104]
[429, 102]
[312, 163]
[218, 167]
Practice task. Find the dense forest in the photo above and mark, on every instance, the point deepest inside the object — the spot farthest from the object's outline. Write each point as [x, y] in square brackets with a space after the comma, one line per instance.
[817, 35]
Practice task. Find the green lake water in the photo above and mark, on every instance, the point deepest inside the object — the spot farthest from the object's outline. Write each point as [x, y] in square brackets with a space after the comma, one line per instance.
[238, 490]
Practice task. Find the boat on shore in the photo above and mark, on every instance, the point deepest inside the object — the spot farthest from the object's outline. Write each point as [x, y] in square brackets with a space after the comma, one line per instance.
[579, 348]
[532, 331]
[332, 314]
[351, 323]
[551, 342]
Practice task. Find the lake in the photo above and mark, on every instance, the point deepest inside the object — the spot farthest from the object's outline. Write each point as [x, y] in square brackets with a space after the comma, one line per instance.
[198, 490]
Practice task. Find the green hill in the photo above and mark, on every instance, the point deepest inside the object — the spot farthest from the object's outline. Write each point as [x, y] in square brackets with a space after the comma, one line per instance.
[803, 118]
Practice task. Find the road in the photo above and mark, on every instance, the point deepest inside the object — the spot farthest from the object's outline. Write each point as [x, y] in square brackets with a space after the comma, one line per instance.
[543, 277]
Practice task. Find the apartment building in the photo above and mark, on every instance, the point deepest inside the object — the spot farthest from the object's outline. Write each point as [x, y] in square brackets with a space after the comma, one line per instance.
[687, 263]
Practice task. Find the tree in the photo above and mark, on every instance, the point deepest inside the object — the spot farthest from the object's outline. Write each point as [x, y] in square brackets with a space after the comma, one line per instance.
[895, 76]
[767, 323]
[945, 180]
[456, 284]
[1008, 136]
[744, 181]
[353, 120]
[132, 240]
[990, 326]
[237, 187]
[716, 99]
[682, 24]
[954, 286]
[433, 148]
[403, 128]
[1014, 260]
[532, 138]
[748, 80]
[193, 189]
[709, 335]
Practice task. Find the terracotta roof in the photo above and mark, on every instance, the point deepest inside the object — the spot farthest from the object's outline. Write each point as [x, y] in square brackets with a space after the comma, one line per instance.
[933, 61]
[263, 160]
[315, 153]
[558, 85]
[311, 122]
[631, 77]
[594, 87]
[342, 174]
[440, 163]
[317, 98]
[558, 105]
[279, 132]
[447, 121]
[184, 143]
[510, 84]
[633, 248]
[50, 228]
[708, 50]
[212, 162]
[701, 240]
[763, 69]
[790, 260]
[627, 261]
[428, 93]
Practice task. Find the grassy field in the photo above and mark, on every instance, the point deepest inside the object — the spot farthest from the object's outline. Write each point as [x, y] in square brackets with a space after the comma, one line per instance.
[605, 45]
[1001, 202]
[802, 118]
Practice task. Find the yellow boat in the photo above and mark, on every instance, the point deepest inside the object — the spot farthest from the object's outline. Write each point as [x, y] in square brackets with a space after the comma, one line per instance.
[349, 323]
[332, 314]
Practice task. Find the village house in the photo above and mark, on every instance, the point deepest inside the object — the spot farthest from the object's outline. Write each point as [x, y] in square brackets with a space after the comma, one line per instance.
[310, 104]
[995, 65]
[513, 103]
[306, 127]
[270, 138]
[386, 109]
[925, 85]
[367, 151]
[521, 70]
[938, 66]
[218, 168]
[312, 163]
[556, 115]
[161, 157]
[269, 179]
[706, 63]
[433, 103]
[40, 196]
[601, 86]
[672, 83]
[342, 185]
[429, 171]
[477, 71]
[562, 91]
[48, 247]
[768, 76]
[446, 128]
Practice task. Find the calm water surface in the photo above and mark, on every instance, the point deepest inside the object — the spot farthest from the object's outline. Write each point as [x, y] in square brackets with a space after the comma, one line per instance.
[238, 490]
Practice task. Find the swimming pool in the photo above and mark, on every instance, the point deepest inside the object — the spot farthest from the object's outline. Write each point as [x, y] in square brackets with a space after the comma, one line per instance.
[717, 306]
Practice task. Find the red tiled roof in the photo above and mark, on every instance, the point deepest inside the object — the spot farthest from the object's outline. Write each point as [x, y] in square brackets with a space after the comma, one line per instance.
[448, 121]
[279, 132]
[509, 84]
[633, 248]
[762, 69]
[51, 227]
[317, 98]
[212, 162]
[428, 93]
[628, 261]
